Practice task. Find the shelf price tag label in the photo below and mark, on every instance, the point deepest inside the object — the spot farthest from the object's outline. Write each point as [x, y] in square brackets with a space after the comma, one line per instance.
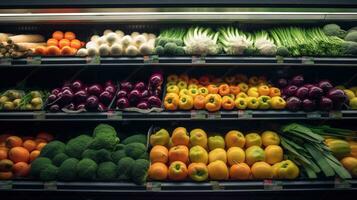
[198, 60]
[279, 59]
[36, 60]
[5, 185]
[151, 59]
[198, 114]
[153, 186]
[216, 185]
[5, 61]
[214, 115]
[115, 115]
[50, 185]
[246, 114]
[93, 60]
[307, 60]
[313, 115]
[342, 184]
[39, 115]
[272, 185]
[335, 114]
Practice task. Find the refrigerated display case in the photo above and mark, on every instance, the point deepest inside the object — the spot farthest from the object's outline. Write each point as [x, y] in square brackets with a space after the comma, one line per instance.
[45, 73]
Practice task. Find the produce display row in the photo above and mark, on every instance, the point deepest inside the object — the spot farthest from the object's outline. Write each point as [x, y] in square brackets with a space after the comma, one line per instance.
[294, 151]
[329, 40]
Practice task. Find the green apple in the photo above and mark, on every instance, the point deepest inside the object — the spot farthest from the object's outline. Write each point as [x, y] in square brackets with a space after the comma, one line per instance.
[264, 102]
[198, 137]
[161, 137]
[198, 171]
[198, 155]
[215, 142]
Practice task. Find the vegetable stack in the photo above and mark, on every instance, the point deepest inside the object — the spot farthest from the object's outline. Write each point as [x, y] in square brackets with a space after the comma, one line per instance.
[170, 42]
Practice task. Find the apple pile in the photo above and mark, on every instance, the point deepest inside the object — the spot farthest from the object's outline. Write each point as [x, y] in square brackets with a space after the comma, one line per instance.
[76, 96]
[202, 157]
[301, 95]
[215, 93]
[139, 94]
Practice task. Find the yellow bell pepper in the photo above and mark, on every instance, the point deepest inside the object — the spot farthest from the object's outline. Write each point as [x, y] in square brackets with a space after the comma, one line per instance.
[171, 101]
[186, 102]
[286, 169]
[213, 102]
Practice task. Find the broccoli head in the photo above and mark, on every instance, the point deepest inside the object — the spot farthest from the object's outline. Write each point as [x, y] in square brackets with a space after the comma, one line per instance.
[104, 130]
[49, 173]
[119, 147]
[105, 136]
[180, 51]
[86, 169]
[170, 48]
[125, 165]
[139, 171]
[59, 158]
[38, 165]
[103, 155]
[159, 50]
[161, 41]
[118, 155]
[76, 146]
[282, 51]
[141, 138]
[67, 170]
[350, 48]
[52, 149]
[178, 42]
[145, 156]
[251, 51]
[90, 153]
[351, 36]
[107, 171]
[334, 30]
[135, 150]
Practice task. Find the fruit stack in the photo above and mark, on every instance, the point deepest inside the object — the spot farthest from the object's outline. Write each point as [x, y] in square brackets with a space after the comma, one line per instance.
[351, 94]
[234, 156]
[301, 95]
[17, 153]
[19, 100]
[212, 93]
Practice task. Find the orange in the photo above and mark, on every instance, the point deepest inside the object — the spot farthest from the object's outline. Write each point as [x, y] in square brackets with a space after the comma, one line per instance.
[19, 154]
[262, 170]
[6, 175]
[30, 145]
[178, 153]
[69, 35]
[158, 171]
[44, 135]
[180, 136]
[41, 145]
[13, 141]
[218, 170]
[58, 35]
[350, 163]
[21, 169]
[159, 153]
[52, 42]
[4, 148]
[76, 44]
[53, 51]
[273, 154]
[63, 42]
[178, 171]
[240, 171]
[3, 154]
[67, 51]
[34, 154]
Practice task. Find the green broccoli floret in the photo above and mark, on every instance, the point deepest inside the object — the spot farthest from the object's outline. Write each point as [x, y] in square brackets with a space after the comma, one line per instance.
[52, 149]
[107, 171]
[282, 51]
[59, 158]
[103, 155]
[180, 51]
[178, 42]
[349, 48]
[135, 150]
[49, 173]
[105, 136]
[161, 41]
[125, 165]
[145, 156]
[86, 169]
[334, 30]
[351, 36]
[76, 146]
[38, 165]
[67, 170]
[159, 50]
[141, 138]
[104, 130]
[119, 147]
[90, 153]
[139, 171]
[250, 51]
[170, 48]
[118, 155]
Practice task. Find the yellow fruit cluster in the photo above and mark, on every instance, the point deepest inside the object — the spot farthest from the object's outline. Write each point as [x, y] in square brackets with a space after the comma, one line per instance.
[234, 156]
[351, 95]
[213, 94]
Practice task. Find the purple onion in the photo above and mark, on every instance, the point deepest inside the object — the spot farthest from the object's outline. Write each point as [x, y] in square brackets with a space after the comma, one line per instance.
[80, 96]
[325, 85]
[109, 83]
[325, 103]
[80, 106]
[67, 96]
[110, 89]
[290, 90]
[297, 80]
[337, 95]
[315, 92]
[141, 86]
[126, 85]
[95, 89]
[76, 86]
[105, 97]
[134, 96]
[308, 105]
[293, 103]
[54, 108]
[92, 103]
[122, 103]
[101, 107]
[56, 91]
[302, 92]
[122, 93]
[143, 105]
[156, 79]
[51, 98]
[154, 101]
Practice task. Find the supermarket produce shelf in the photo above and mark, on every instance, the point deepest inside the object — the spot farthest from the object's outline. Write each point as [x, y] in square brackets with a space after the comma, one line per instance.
[212, 186]
[182, 3]
[178, 115]
[177, 61]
